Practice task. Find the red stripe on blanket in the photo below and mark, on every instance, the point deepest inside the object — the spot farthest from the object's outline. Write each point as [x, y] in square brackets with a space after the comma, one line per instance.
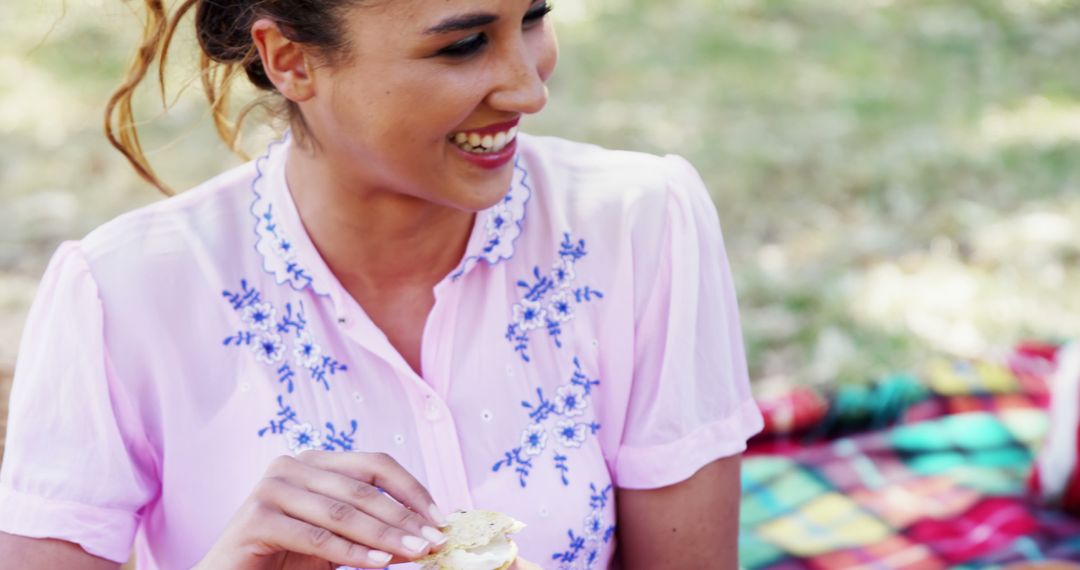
[1071, 500]
[990, 525]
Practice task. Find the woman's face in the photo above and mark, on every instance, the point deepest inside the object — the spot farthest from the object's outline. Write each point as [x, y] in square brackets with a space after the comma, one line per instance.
[428, 101]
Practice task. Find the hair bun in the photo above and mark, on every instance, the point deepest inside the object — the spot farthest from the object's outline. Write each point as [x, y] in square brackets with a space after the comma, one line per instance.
[223, 30]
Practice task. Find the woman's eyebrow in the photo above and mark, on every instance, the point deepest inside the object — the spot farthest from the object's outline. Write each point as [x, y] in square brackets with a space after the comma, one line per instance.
[462, 22]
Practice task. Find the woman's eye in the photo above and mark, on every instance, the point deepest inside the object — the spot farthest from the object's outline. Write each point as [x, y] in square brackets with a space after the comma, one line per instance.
[465, 47]
[537, 13]
[476, 42]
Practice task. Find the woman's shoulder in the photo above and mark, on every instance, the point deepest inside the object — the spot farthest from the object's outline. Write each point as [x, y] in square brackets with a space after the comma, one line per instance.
[592, 180]
[583, 162]
[207, 211]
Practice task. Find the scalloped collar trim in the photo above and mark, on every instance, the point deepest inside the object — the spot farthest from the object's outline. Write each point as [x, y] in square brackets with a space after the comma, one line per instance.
[272, 208]
[497, 228]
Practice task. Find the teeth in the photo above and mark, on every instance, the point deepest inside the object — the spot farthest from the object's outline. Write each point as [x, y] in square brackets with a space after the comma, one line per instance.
[484, 144]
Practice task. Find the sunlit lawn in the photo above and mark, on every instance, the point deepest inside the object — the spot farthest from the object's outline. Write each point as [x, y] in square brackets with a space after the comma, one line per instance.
[892, 177]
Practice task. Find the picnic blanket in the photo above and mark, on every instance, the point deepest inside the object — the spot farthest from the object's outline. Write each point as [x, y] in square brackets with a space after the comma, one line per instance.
[915, 473]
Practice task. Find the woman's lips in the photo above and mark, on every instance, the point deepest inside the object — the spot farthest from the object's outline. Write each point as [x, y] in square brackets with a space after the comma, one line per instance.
[488, 147]
[489, 160]
[491, 129]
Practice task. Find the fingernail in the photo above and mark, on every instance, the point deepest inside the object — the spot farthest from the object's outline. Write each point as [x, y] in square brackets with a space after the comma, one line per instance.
[438, 516]
[379, 557]
[433, 535]
[415, 543]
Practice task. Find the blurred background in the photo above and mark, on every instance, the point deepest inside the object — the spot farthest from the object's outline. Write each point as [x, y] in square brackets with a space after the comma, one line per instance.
[895, 178]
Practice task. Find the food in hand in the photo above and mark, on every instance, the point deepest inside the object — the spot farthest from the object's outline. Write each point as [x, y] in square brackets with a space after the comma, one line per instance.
[477, 540]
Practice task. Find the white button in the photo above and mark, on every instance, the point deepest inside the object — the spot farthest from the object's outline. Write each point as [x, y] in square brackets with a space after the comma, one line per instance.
[509, 370]
[544, 512]
[432, 411]
[358, 396]
[245, 386]
[486, 415]
[342, 321]
[399, 439]
[595, 343]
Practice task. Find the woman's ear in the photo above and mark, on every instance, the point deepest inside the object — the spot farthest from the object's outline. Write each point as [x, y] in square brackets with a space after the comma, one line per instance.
[287, 63]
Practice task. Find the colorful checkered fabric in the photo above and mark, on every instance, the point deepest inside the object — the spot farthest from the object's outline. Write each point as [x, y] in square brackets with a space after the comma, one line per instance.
[944, 487]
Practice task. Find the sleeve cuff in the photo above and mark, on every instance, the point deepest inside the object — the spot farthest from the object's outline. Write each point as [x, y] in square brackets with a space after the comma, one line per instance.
[663, 465]
[103, 532]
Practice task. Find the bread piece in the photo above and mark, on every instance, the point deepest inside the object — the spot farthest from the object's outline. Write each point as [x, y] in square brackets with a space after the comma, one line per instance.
[476, 540]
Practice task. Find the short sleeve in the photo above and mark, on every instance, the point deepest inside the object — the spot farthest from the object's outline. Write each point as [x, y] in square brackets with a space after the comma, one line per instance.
[75, 468]
[690, 402]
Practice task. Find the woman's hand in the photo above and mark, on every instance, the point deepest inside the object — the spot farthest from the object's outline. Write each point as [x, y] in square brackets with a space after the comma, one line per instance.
[323, 509]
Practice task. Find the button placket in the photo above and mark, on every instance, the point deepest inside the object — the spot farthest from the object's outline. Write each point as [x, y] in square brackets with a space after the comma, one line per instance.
[432, 409]
[439, 444]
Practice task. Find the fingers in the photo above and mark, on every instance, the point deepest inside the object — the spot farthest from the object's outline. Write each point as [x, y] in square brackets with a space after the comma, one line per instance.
[293, 535]
[370, 500]
[340, 519]
[330, 506]
[382, 471]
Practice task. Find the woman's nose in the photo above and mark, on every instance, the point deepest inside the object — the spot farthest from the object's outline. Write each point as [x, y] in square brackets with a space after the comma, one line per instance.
[521, 85]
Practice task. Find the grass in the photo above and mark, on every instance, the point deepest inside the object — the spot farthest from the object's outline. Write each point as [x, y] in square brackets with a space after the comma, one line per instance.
[893, 178]
[847, 142]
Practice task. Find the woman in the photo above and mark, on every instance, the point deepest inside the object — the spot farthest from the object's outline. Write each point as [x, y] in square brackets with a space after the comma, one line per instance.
[484, 319]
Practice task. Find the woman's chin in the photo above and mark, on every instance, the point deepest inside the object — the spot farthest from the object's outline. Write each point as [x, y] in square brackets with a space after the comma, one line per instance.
[479, 195]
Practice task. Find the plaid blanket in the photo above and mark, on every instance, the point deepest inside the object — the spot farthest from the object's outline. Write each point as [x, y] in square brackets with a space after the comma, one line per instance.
[942, 486]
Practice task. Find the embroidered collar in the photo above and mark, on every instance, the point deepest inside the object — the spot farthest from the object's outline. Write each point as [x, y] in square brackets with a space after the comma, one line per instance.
[279, 236]
[289, 255]
[497, 228]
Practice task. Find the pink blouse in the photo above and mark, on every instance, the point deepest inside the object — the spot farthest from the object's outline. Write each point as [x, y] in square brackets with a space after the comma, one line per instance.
[588, 339]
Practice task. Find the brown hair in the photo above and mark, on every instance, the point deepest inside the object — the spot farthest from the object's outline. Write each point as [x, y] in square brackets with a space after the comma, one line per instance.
[223, 28]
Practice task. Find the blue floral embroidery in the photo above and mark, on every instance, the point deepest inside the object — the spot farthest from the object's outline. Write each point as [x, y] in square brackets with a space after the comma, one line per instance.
[266, 336]
[270, 332]
[283, 248]
[584, 549]
[272, 243]
[559, 419]
[302, 436]
[549, 299]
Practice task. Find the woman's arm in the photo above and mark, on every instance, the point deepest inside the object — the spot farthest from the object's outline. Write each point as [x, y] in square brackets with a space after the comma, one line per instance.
[692, 524]
[33, 553]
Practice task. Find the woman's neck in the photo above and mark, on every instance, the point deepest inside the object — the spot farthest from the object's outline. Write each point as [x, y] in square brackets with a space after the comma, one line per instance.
[374, 239]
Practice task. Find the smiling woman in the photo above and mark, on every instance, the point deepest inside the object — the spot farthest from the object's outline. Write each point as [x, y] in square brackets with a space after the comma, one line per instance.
[483, 319]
